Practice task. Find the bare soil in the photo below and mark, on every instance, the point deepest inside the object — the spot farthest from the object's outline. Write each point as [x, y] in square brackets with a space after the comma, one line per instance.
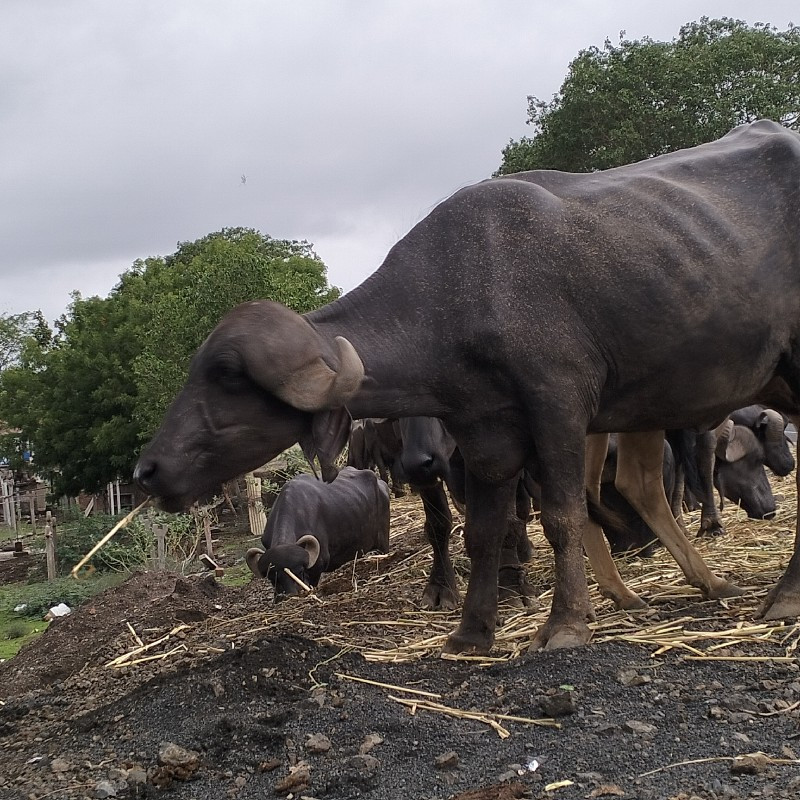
[243, 699]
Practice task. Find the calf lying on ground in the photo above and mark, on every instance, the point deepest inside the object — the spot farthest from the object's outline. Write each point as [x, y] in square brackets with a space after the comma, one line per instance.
[315, 527]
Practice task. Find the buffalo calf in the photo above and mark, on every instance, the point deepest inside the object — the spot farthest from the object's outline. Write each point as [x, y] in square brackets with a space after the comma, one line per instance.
[315, 527]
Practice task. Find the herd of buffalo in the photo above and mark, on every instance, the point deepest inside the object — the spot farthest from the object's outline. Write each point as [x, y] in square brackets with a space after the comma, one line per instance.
[509, 333]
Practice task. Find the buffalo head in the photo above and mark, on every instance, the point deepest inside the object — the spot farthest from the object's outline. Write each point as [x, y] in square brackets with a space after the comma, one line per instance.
[427, 448]
[739, 471]
[272, 563]
[263, 380]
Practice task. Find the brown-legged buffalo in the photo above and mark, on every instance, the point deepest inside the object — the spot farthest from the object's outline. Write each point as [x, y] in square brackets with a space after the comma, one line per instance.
[526, 311]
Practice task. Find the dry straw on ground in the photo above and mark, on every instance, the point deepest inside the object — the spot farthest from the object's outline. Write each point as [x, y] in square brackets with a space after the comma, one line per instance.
[372, 606]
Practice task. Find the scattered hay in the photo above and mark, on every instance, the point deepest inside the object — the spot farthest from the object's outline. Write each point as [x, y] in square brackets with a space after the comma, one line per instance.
[372, 605]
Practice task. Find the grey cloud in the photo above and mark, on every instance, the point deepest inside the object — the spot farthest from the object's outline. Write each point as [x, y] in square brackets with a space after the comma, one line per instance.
[126, 127]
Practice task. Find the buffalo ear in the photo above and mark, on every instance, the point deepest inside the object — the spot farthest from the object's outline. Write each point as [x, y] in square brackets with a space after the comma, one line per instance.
[252, 558]
[327, 438]
[312, 547]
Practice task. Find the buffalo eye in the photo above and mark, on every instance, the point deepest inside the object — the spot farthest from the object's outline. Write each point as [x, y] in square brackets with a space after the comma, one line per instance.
[229, 375]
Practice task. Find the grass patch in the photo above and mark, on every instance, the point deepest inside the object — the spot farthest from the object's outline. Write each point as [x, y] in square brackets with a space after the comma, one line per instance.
[17, 630]
[20, 627]
[39, 597]
[239, 575]
[24, 532]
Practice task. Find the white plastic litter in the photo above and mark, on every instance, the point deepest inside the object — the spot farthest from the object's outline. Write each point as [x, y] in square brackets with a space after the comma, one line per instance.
[61, 610]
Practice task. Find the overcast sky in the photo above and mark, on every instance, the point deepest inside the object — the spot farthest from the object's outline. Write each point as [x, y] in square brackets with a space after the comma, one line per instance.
[127, 126]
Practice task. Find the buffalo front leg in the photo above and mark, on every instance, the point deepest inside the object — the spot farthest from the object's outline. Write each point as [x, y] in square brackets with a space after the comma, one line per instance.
[710, 521]
[608, 578]
[639, 479]
[512, 582]
[784, 599]
[484, 531]
[441, 591]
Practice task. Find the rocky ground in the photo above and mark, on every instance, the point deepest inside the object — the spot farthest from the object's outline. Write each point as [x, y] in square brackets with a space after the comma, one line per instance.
[182, 688]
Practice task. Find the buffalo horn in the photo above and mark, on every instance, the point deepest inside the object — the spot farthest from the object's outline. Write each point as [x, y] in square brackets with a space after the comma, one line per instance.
[311, 545]
[251, 557]
[316, 386]
[723, 432]
[735, 441]
[774, 422]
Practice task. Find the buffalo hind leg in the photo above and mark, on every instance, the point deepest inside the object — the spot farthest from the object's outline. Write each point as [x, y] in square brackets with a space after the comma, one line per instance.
[566, 523]
[441, 591]
[640, 480]
[512, 581]
[783, 600]
[605, 570]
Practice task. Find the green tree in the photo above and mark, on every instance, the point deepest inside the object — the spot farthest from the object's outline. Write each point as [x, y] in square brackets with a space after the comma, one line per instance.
[16, 331]
[73, 400]
[627, 102]
[88, 398]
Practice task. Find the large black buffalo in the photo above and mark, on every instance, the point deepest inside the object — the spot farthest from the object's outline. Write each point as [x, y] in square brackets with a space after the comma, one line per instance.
[526, 311]
[315, 527]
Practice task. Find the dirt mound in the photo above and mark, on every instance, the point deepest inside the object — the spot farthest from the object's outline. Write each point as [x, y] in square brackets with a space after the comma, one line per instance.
[90, 636]
[343, 694]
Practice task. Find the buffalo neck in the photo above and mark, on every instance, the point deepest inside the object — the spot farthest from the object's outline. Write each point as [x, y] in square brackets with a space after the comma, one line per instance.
[388, 322]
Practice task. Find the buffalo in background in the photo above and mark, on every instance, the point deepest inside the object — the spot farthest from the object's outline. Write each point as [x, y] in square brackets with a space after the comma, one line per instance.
[419, 451]
[732, 458]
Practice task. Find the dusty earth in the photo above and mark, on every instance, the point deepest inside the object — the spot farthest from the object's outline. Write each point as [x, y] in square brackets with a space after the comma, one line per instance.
[244, 699]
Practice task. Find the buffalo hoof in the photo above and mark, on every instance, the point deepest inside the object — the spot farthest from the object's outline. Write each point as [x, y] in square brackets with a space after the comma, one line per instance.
[513, 588]
[437, 597]
[624, 599]
[512, 599]
[711, 527]
[780, 604]
[721, 589]
[468, 642]
[556, 636]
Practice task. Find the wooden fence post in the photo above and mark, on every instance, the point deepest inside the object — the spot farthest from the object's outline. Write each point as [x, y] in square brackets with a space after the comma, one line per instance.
[32, 509]
[255, 505]
[161, 545]
[207, 529]
[50, 547]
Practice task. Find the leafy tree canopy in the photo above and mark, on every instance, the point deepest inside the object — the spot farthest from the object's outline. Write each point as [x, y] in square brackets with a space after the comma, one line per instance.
[16, 333]
[88, 397]
[627, 102]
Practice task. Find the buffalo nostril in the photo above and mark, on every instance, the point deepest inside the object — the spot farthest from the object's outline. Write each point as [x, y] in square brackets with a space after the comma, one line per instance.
[145, 472]
[769, 515]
